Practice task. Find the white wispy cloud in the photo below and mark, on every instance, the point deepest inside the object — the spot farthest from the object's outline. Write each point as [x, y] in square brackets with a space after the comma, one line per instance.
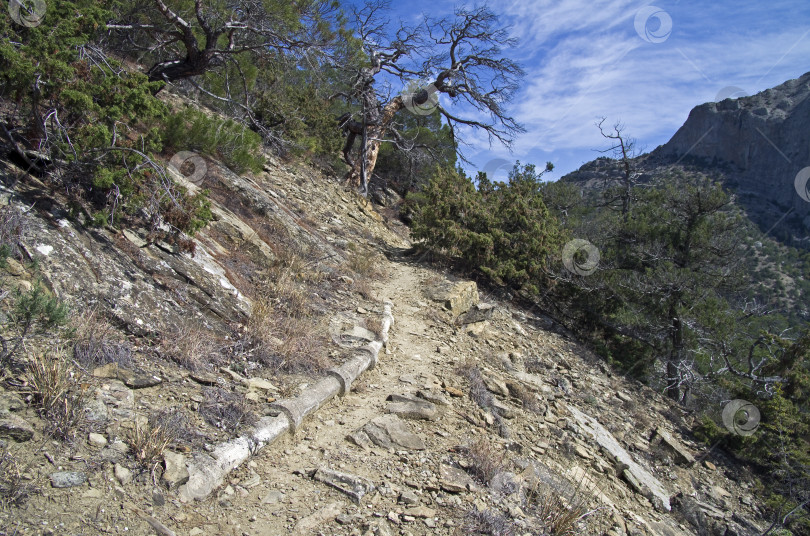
[585, 60]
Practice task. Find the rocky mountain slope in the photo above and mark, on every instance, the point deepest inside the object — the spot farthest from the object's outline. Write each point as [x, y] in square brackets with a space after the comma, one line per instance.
[756, 145]
[479, 416]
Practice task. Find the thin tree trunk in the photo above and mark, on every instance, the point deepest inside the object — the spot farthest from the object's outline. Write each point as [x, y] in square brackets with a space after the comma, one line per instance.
[373, 140]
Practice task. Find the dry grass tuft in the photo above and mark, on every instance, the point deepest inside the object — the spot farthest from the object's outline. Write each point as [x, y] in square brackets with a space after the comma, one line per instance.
[486, 460]
[283, 333]
[226, 410]
[487, 522]
[560, 514]
[95, 342]
[14, 488]
[191, 347]
[481, 396]
[374, 323]
[364, 263]
[150, 439]
[56, 391]
[362, 286]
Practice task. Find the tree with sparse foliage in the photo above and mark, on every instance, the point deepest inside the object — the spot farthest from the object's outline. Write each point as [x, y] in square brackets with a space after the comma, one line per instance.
[460, 58]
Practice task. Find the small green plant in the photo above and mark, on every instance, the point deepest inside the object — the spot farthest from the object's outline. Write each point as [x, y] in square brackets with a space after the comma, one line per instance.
[34, 310]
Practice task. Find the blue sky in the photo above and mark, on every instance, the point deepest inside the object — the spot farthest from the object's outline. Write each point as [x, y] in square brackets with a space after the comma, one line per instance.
[645, 64]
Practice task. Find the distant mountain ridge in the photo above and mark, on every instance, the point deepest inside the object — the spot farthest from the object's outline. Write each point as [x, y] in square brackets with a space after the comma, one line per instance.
[756, 144]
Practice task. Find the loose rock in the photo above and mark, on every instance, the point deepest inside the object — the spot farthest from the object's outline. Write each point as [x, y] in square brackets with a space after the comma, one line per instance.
[16, 428]
[67, 479]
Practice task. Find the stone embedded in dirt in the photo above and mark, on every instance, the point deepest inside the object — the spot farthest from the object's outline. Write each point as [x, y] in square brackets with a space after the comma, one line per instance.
[361, 439]
[175, 473]
[10, 401]
[433, 396]
[204, 378]
[123, 474]
[662, 437]
[16, 428]
[109, 371]
[420, 511]
[458, 298]
[504, 410]
[454, 480]
[479, 313]
[624, 397]
[710, 466]
[505, 483]
[260, 384]
[142, 381]
[582, 452]
[67, 479]
[476, 329]
[97, 440]
[638, 477]
[408, 497]
[131, 379]
[389, 431]
[309, 523]
[355, 487]
[273, 497]
[421, 410]
[495, 385]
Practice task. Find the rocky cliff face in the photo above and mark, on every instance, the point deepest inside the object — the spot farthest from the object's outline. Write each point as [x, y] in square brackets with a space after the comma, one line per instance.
[761, 143]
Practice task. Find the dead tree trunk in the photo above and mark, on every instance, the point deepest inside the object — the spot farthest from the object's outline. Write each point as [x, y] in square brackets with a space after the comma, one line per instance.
[362, 169]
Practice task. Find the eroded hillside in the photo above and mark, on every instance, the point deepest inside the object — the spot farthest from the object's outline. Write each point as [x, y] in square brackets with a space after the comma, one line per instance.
[479, 416]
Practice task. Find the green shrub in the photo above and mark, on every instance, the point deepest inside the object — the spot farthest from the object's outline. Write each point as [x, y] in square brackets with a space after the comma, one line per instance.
[98, 123]
[236, 145]
[502, 229]
[32, 310]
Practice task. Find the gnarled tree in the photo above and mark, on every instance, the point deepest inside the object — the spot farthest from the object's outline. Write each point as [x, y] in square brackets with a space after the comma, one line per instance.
[188, 38]
[459, 57]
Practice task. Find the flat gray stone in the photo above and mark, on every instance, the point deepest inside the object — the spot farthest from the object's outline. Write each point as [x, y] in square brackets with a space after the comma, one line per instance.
[389, 431]
[68, 479]
[662, 437]
[16, 428]
[415, 410]
[175, 473]
[355, 487]
[433, 396]
[123, 474]
[10, 402]
[639, 478]
[454, 480]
